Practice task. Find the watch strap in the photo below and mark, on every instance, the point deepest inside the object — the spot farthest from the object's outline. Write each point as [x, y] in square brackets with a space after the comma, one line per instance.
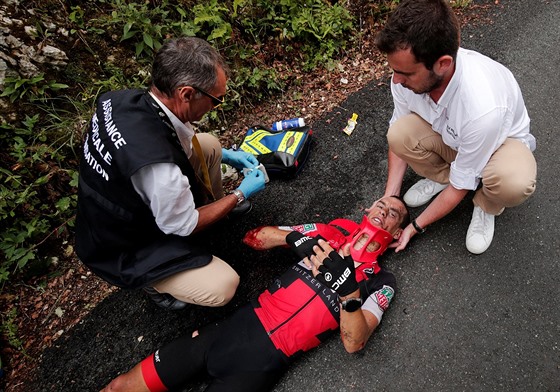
[351, 304]
[417, 227]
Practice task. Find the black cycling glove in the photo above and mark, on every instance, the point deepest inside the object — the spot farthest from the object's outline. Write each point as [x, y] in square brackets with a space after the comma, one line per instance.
[337, 273]
[302, 245]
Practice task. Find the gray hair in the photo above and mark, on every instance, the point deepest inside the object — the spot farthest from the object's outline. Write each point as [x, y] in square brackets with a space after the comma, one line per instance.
[186, 61]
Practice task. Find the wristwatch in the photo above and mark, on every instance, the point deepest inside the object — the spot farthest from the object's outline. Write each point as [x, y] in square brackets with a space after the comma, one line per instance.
[351, 304]
[239, 195]
[417, 228]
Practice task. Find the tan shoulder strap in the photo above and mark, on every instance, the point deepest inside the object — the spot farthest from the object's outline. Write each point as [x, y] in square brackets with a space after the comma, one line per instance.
[206, 180]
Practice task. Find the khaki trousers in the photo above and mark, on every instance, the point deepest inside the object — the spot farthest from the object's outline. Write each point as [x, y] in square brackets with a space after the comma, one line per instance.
[211, 285]
[508, 179]
[215, 283]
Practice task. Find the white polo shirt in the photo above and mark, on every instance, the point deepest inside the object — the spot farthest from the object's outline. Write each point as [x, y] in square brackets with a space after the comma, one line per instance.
[479, 109]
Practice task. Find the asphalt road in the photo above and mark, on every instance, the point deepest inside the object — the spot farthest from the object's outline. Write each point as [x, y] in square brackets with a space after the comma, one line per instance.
[459, 322]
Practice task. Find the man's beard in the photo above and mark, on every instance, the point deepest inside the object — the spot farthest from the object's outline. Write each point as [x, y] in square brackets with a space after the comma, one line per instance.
[433, 82]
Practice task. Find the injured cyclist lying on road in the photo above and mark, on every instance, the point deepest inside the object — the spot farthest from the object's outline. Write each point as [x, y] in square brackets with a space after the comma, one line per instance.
[338, 284]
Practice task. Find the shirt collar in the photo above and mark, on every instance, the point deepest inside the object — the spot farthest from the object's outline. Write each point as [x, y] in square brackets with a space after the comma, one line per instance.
[185, 131]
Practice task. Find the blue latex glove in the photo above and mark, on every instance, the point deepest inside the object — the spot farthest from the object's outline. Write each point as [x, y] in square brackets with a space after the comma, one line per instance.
[239, 159]
[252, 183]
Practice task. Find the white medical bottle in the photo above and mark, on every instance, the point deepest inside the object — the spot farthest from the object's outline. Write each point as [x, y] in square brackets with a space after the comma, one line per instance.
[287, 124]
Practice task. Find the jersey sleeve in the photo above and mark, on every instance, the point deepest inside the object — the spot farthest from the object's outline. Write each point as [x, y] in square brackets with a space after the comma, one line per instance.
[383, 291]
[335, 238]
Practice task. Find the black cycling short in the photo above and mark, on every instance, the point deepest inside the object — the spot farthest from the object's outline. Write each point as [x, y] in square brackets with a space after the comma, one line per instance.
[236, 354]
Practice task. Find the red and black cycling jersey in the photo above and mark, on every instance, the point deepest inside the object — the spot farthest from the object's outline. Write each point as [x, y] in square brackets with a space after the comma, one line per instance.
[298, 312]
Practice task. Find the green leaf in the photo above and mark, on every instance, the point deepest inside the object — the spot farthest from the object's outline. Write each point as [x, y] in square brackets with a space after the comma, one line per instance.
[43, 179]
[37, 79]
[139, 48]
[8, 90]
[127, 32]
[75, 176]
[63, 204]
[236, 5]
[23, 255]
[181, 12]
[58, 86]
[148, 40]
[4, 274]
[220, 32]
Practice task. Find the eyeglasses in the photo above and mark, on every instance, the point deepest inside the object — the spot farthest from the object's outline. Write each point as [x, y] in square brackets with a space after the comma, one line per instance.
[217, 101]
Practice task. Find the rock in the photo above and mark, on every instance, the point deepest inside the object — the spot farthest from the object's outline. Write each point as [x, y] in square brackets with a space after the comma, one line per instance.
[12, 62]
[18, 58]
[50, 26]
[51, 55]
[27, 69]
[64, 32]
[31, 31]
[12, 42]
[6, 21]
[3, 69]
[25, 52]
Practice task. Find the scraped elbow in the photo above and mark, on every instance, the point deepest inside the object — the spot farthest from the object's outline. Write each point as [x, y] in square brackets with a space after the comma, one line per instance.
[354, 347]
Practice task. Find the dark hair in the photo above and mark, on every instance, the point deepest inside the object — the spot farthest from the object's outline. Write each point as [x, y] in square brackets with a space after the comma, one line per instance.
[406, 217]
[428, 27]
[186, 61]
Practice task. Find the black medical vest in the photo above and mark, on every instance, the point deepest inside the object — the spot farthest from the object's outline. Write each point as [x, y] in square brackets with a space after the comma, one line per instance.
[116, 233]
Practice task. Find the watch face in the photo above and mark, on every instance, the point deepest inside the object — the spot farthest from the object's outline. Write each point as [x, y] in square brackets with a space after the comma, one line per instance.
[352, 304]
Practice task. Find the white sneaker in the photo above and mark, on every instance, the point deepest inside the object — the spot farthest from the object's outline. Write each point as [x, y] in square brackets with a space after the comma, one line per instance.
[421, 192]
[480, 232]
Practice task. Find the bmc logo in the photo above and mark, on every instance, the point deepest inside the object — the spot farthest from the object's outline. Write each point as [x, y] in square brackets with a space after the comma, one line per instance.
[301, 241]
[340, 281]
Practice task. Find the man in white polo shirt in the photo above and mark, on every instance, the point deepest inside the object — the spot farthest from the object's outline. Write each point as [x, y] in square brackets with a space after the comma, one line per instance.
[459, 121]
